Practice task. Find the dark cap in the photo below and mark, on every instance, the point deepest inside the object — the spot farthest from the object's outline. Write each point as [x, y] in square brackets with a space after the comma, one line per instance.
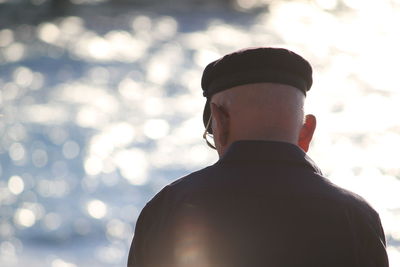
[255, 65]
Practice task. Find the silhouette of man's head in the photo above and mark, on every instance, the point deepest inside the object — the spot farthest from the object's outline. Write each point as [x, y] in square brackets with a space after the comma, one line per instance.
[258, 94]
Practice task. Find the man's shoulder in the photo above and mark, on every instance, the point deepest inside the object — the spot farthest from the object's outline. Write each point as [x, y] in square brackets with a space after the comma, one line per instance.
[316, 187]
[361, 206]
[183, 184]
[351, 201]
[194, 177]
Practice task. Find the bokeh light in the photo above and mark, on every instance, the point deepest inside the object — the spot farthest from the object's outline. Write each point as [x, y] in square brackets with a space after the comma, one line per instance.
[97, 209]
[16, 185]
[101, 107]
[25, 217]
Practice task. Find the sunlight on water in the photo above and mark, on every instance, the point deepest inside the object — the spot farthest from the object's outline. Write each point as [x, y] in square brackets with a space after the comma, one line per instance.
[39, 158]
[93, 165]
[17, 152]
[61, 263]
[165, 28]
[23, 77]
[327, 4]
[8, 253]
[25, 217]
[48, 32]
[14, 52]
[156, 128]
[6, 37]
[133, 165]
[141, 24]
[110, 254]
[246, 4]
[71, 26]
[116, 45]
[44, 114]
[70, 150]
[118, 229]
[16, 185]
[52, 221]
[102, 109]
[394, 256]
[205, 56]
[97, 209]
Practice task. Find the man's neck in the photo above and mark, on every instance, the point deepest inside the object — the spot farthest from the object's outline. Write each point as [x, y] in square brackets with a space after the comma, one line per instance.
[223, 149]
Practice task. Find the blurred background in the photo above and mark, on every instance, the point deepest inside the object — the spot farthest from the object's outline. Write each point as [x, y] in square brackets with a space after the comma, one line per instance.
[101, 107]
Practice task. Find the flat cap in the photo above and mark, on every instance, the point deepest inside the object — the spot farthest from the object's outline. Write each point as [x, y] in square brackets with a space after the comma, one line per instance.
[254, 65]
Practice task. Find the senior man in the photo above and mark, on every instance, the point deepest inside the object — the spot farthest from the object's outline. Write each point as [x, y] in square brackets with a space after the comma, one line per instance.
[264, 202]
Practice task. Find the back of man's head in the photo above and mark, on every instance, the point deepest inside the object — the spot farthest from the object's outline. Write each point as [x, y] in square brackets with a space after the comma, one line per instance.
[262, 111]
[257, 94]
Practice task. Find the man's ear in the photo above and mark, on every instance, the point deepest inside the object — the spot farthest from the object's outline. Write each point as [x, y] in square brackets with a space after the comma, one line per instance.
[307, 132]
[220, 124]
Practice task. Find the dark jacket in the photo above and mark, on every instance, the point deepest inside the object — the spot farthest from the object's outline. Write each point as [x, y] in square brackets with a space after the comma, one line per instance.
[262, 204]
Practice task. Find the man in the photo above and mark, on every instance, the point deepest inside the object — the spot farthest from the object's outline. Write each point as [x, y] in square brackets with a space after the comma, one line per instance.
[264, 203]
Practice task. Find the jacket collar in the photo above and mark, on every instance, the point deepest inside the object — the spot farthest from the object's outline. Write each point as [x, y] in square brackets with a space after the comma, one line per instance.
[254, 150]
